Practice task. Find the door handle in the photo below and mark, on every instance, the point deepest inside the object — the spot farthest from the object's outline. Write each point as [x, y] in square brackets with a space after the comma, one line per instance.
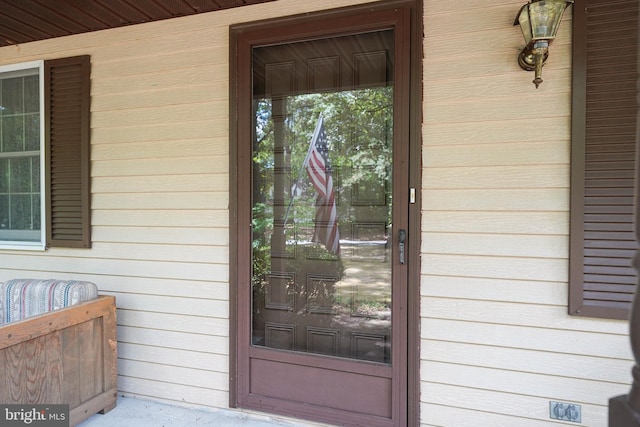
[402, 237]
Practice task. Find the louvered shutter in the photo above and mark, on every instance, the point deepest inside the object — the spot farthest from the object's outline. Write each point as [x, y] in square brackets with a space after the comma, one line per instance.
[67, 98]
[605, 78]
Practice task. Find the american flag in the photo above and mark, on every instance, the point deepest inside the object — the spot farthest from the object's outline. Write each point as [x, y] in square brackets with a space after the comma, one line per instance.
[319, 170]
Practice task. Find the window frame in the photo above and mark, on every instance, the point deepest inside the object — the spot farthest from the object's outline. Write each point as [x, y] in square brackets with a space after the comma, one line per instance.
[27, 244]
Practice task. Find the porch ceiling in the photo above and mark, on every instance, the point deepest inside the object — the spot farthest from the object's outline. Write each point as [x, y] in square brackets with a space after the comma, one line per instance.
[30, 20]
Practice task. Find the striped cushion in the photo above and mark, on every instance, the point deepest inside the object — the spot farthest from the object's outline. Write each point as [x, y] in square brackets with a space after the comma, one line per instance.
[24, 298]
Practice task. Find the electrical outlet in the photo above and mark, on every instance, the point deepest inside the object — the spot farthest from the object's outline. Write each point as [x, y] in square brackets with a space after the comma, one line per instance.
[565, 411]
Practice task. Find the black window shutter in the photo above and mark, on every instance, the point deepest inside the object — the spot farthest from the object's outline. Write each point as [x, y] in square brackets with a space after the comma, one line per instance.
[605, 77]
[67, 127]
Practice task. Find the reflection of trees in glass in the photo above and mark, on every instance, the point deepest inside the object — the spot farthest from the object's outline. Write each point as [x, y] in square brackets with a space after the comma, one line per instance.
[296, 281]
[358, 125]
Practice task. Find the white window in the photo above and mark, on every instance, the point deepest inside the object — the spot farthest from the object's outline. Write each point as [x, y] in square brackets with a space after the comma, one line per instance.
[22, 156]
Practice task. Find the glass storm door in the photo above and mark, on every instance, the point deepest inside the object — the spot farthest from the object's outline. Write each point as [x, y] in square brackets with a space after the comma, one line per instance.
[328, 225]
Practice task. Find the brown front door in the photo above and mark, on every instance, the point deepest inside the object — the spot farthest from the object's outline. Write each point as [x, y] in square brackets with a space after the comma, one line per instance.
[322, 219]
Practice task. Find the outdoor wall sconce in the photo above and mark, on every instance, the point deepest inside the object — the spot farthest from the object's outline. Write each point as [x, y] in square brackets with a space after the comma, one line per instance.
[539, 21]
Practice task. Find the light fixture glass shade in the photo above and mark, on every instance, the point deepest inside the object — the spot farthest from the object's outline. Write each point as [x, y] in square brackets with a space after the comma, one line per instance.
[540, 19]
[525, 23]
[545, 16]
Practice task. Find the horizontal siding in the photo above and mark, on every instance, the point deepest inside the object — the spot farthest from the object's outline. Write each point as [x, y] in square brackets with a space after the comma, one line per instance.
[120, 216]
[172, 393]
[186, 139]
[582, 367]
[172, 356]
[496, 222]
[499, 199]
[201, 200]
[491, 267]
[492, 289]
[125, 268]
[492, 109]
[144, 167]
[439, 415]
[505, 381]
[545, 317]
[483, 177]
[473, 136]
[162, 252]
[490, 244]
[476, 153]
[534, 338]
[150, 116]
[493, 408]
[169, 235]
[497, 342]
[179, 322]
[174, 374]
[161, 143]
[181, 340]
[159, 183]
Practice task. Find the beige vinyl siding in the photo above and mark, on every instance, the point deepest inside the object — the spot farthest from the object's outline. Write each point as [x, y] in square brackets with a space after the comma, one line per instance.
[160, 219]
[497, 342]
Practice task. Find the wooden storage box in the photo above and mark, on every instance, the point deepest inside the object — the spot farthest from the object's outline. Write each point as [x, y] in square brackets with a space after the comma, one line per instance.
[66, 356]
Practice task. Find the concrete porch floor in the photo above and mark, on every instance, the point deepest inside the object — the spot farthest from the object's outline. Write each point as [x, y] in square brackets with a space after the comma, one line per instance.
[133, 412]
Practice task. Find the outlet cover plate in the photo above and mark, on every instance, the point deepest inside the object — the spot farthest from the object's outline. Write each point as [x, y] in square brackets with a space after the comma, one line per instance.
[565, 411]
